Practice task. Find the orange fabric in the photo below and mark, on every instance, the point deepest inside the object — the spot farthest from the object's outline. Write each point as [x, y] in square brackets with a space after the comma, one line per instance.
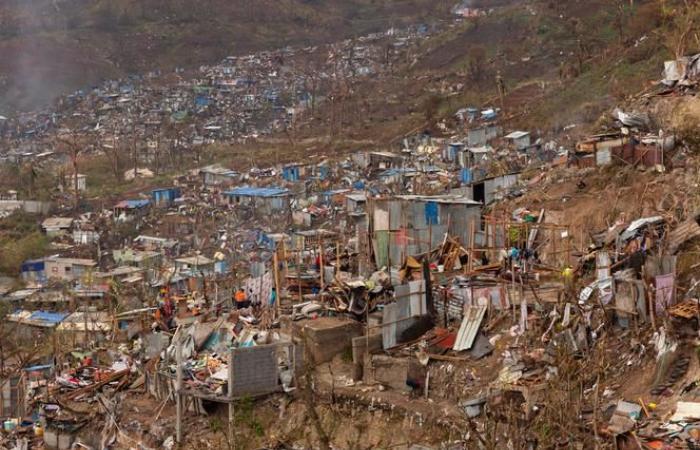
[240, 296]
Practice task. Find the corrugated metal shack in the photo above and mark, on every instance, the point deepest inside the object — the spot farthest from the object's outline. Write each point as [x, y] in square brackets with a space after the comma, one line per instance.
[216, 175]
[478, 137]
[492, 188]
[410, 224]
[263, 200]
[130, 209]
[611, 148]
[165, 197]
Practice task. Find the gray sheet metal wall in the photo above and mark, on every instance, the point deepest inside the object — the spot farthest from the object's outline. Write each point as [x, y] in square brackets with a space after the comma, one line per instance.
[409, 216]
[255, 370]
[460, 218]
[410, 303]
[493, 186]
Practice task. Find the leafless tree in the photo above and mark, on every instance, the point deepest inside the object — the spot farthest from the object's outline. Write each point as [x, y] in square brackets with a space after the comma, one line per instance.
[115, 154]
[72, 144]
[684, 31]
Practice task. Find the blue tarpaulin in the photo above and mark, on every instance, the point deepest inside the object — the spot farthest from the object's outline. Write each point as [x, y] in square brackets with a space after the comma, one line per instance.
[33, 266]
[323, 172]
[397, 171]
[431, 213]
[257, 192]
[48, 318]
[263, 240]
[133, 204]
[201, 101]
[291, 173]
[465, 176]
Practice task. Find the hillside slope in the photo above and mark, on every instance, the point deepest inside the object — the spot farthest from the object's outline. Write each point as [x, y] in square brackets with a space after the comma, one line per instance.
[48, 47]
[564, 65]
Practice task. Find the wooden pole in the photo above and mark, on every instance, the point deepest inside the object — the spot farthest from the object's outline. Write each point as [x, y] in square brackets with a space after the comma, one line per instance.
[301, 297]
[85, 320]
[388, 241]
[320, 264]
[275, 262]
[512, 279]
[337, 259]
[178, 389]
[472, 232]
[285, 257]
[568, 246]
[230, 375]
[430, 238]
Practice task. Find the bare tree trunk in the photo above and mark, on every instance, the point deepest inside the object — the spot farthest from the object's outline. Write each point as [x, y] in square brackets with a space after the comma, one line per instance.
[75, 182]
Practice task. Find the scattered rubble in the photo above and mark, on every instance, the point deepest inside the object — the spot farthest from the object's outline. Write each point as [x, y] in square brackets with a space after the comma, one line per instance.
[419, 281]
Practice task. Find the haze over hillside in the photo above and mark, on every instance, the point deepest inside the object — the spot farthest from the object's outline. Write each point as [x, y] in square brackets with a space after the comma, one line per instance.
[49, 47]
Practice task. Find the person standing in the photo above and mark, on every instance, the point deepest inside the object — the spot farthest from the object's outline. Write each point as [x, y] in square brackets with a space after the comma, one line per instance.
[241, 299]
[273, 297]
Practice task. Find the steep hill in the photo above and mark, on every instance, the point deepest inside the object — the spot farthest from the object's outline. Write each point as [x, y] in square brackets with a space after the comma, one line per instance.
[564, 65]
[48, 47]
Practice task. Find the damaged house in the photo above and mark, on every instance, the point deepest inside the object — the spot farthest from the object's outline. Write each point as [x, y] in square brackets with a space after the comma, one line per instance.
[406, 225]
[262, 201]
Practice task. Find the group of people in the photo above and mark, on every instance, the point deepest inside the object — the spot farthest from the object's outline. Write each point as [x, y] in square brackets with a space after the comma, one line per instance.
[164, 315]
[245, 300]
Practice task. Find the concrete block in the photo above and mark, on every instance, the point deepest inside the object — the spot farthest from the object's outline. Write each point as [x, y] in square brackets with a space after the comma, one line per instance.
[328, 336]
[360, 346]
[394, 372]
[389, 371]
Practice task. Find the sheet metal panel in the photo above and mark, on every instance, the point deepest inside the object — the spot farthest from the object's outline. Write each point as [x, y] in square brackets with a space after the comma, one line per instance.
[603, 157]
[396, 317]
[255, 370]
[479, 239]
[396, 250]
[389, 317]
[395, 219]
[602, 265]
[381, 248]
[401, 292]
[421, 240]
[665, 288]
[381, 217]
[438, 235]
[459, 220]
[417, 215]
[404, 312]
[454, 308]
[469, 328]
[496, 235]
[418, 305]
